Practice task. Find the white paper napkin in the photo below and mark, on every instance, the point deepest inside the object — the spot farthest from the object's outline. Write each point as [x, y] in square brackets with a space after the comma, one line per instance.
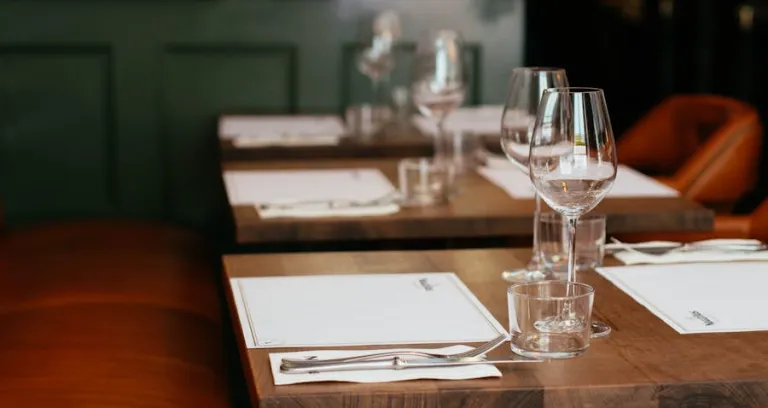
[375, 376]
[636, 258]
[287, 140]
[309, 211]
[484, 119]
[288, 130]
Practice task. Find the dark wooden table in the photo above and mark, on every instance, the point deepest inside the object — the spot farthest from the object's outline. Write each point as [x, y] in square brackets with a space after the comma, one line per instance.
[483, 210]
[644, 362]
[395, 140]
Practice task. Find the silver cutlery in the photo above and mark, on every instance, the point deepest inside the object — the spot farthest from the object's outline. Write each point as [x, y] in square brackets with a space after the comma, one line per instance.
[332, 204]
[475, 352]
[398, 363]
[664, 247]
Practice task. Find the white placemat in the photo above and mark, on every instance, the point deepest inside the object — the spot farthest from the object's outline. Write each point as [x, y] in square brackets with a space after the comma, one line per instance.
[352, 310]
[699, 298]
[629, 183]
[288, 186]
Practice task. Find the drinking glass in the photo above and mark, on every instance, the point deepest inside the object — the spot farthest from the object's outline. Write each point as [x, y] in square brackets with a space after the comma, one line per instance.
[572, 166]
[423, 183]
[552, 233]
[530, 304]
[526, 86]
[437, 87]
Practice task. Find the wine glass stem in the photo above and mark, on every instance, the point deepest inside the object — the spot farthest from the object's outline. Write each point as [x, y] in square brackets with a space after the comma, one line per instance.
[536, 216]
[375, 90]
[572, 221]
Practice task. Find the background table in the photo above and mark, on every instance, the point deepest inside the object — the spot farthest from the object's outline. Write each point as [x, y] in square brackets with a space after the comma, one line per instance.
[394, 140]
[481, 212]
[644, 363]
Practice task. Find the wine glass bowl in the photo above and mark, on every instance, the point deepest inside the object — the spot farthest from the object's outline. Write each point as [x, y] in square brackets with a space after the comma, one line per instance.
[438, 85]
[526, 86]
[573, 157]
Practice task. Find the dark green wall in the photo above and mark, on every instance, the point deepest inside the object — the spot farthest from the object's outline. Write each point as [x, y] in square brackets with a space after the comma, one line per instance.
[108, 109]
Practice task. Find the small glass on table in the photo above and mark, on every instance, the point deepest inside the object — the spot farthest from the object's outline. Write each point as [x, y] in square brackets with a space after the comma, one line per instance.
[424, 182]
[552, 243]
[532, 306]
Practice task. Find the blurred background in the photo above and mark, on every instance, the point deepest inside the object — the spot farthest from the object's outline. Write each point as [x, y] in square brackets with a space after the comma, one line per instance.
[109, 108]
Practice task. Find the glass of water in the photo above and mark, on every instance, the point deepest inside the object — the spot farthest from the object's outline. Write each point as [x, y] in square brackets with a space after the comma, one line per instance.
[552, 236]
[533, 306]
[423, 182]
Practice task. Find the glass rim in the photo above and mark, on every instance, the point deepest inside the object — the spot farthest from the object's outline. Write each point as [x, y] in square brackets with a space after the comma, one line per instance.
[539, 69]
[575, 90]
[582, 218]
[589, 290]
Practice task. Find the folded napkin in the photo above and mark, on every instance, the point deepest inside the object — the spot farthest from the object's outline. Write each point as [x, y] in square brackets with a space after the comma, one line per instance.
[497, 161]
[288, 140]
[374, 376]
[635, 258]
[324, 210]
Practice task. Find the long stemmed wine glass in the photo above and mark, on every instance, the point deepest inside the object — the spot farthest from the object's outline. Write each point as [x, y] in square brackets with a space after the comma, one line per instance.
[572, 166]
[378, 60]
[438, 85]
[526, 86]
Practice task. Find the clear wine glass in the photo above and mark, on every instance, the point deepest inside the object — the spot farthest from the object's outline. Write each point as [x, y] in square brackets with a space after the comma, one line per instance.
[572, 165]
[526, 86]
[438, 84]
[378, 60]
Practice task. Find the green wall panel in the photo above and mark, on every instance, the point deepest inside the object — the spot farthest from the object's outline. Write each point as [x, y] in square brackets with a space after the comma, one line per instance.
[108, 108]
[197, 83]
[58, 141]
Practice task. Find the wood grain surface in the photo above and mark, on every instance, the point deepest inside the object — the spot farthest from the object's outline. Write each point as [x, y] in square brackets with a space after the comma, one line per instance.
[644, 362]
[482, 210]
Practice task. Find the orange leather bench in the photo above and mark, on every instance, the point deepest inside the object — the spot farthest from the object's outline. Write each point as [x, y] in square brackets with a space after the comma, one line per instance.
[110, 314]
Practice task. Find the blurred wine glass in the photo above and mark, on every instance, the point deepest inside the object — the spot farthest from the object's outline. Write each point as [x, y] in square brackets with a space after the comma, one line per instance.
[377, 60]
[572, 165]
[526, 87]
[438, 84]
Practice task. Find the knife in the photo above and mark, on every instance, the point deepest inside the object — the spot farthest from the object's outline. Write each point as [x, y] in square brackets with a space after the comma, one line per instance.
[399, 363]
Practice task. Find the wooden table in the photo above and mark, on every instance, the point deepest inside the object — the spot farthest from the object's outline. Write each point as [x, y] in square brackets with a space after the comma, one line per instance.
[644, 362]
[393, 141]
[483, 210]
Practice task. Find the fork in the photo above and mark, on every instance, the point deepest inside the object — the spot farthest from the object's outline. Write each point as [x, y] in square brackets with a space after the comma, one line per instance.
[386, 199]
[475, 352]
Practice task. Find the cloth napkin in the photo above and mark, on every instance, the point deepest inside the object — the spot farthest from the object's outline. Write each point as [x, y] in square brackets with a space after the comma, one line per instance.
[484, 119]
[635, 258]
[321, 210]
[375, 376]
[288, 140]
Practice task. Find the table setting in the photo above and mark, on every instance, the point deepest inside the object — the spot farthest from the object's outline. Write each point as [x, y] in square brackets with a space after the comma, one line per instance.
[571, 166]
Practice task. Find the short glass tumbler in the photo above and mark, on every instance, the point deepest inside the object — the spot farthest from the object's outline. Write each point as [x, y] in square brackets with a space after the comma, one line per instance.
[532, 305]
[552, 236]
[423, 182]
[458, 149]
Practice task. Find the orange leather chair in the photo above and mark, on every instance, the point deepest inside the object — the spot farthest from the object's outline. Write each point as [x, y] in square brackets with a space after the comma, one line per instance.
[110, 314]
[705, 146]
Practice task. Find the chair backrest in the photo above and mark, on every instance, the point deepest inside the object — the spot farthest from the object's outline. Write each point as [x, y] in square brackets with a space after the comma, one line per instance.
[708, 146]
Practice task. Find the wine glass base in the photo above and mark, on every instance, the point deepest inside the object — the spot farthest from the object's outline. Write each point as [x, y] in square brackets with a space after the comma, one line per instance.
[560, 324]
[599, 330]
[524, 276]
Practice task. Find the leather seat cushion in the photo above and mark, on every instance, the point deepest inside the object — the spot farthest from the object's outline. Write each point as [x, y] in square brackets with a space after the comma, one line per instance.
[118, 314]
